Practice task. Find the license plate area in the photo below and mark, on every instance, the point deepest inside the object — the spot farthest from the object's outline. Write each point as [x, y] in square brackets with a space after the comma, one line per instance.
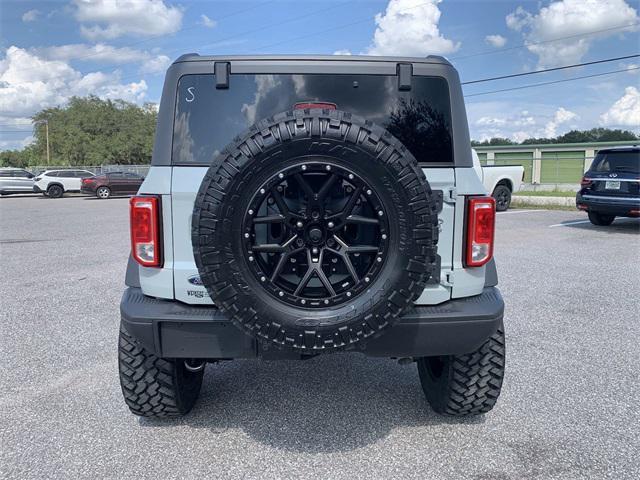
[612, 185]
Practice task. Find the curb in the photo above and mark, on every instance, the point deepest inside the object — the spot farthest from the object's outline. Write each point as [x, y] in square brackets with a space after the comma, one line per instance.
[534, 200]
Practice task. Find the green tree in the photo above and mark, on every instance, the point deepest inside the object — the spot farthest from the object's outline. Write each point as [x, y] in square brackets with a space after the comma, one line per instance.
[90, 131]
[574, 136]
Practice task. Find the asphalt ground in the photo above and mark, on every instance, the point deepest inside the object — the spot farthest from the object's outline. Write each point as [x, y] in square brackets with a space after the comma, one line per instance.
[569, 406]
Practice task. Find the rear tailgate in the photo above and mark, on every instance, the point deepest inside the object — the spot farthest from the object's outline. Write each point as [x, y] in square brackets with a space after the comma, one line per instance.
[187, 288]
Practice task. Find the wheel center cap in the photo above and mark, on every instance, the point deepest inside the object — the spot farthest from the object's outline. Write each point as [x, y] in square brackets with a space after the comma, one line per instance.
[315, 235]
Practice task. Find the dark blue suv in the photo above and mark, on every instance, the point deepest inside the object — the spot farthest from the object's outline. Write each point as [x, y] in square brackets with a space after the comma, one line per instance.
[611, 187]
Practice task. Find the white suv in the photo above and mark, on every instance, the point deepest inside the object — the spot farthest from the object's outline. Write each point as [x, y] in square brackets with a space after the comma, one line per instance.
[54, 183]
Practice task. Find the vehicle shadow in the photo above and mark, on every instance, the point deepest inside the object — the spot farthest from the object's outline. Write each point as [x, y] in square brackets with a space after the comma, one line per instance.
[331, 403]
[619, 225]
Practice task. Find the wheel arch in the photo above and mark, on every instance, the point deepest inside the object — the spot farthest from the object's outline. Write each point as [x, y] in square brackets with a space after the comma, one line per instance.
[506, 181]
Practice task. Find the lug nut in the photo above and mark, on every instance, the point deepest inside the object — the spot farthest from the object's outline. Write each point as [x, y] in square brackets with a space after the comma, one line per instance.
[281, 294]
[328, 167]
[263, 279]
[326, 302]
[250, 212]
[368, 192]
[251, 259]
[246, 235]
[299, 225]
[303, 301]
[380, 213]
[367, 279]
[262, 191]
[379, 259]
[281, 175]
[304, 167]
[384, 236]
[330, 225]
[348, 294]
[351, 176]
[314, 250]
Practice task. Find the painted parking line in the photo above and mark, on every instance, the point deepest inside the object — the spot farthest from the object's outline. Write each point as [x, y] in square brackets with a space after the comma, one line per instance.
[569, 223]
[523, 211]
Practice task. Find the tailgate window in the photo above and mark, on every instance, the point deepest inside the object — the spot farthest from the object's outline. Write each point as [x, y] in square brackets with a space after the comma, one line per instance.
[207, 119]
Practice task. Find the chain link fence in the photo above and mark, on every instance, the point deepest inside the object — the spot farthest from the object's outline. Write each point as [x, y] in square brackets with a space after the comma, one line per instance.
[98, 169]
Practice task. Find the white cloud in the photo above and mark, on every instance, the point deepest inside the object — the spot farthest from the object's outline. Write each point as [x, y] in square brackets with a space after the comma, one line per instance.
[31, 16]
[518, 122]
[29, 83]
[565, 18]
[410, 28]
[102, 53]
[342, 52]
[632, 68]
[157, 64]
[109, 19]
[625, 111]
[207, 22]
[561, 116]
[497, 41]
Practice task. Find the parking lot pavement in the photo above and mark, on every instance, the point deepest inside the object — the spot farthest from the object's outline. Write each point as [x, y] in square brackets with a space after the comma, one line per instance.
[568, 408]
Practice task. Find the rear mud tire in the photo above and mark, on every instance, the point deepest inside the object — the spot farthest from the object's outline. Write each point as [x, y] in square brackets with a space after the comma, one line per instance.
[153, 386]
[285, 142]
[469, 384]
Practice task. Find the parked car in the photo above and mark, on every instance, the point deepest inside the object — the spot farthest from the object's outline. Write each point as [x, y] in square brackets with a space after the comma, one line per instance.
[332, 226]
[112, 183]
[611, 186]
[55, 183]
[500, 180]
[15, 180]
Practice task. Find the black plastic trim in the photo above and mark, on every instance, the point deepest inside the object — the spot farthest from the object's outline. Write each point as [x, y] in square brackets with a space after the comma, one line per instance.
[221, 71]
[132, 277]
[491, 274]
[405, 72]
[176, 330]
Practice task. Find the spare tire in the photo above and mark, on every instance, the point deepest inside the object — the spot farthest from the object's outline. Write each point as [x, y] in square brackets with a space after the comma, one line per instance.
[315, 230]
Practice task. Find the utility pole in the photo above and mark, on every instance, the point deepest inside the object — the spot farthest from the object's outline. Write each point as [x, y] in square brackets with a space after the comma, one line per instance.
[46, 126]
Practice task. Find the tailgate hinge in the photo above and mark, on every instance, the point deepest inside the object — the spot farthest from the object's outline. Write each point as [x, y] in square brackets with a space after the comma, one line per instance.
[450, 195]
[448, 279]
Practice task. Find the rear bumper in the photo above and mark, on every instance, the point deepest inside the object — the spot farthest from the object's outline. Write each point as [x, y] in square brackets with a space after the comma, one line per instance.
[88, 190]
[619, 206]
[173, 329]
[37, 189]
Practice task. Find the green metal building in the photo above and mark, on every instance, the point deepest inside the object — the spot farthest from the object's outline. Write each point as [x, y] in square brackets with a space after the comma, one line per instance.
[547, 164]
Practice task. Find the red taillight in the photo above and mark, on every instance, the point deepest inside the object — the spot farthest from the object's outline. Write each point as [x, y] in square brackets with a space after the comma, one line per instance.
[481, 219]
[324, 105]
[586, 182]
[145, 231]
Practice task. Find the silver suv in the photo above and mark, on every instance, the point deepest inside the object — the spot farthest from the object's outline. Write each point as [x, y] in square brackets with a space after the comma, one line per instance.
[15, 180]
[298, 206]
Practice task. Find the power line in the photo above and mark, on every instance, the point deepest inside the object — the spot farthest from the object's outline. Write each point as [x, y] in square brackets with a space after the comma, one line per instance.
[541, 42]
[490, 79]
[552, 82]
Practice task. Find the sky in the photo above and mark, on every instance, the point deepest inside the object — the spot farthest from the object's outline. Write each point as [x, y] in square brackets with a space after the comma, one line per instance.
[52, 50]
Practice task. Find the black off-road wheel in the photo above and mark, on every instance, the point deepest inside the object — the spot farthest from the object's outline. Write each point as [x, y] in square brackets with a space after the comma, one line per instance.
[469, 384]
[502, 195]
[315, 230]
[153, 386]
[600, 219]
[55, 191]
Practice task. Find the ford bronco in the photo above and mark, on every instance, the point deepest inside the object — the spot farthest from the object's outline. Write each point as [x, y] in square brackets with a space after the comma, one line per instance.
[299, 206]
